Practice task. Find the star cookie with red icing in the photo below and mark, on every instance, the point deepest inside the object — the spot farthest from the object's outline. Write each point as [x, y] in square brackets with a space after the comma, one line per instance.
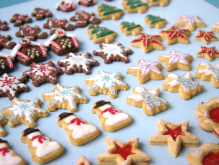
[206, 37]
[83, 161]
[123, 153]
[174, 136]
[208, 154]
[208, 115]
[148, 42]
[176, 35]
[208, 52]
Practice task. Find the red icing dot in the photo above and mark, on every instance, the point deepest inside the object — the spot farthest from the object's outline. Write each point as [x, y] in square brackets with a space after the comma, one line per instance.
[215, 115]
[212, 159]
[174, 132]
[124, 151]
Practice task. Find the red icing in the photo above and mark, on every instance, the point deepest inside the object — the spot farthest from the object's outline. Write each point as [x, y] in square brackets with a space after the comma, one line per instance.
[215, 115]
[124, 151]
[212, 159]
[9, 82]
[4, 151]
[210, 51]
[29, 29]
[24, 42]
[41, 11]
[20, 17]
[174, 132]
[1, 39]
[174, 32]
[206, 35]
[40, 138]
[77, 121]
[147, 39]
[110, 110]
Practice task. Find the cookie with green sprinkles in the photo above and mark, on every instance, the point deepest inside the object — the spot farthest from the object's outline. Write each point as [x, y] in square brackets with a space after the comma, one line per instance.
[101, 34]
[158, 2]
[130, 28]
[109, 12]
[155, 21]
[133, 6]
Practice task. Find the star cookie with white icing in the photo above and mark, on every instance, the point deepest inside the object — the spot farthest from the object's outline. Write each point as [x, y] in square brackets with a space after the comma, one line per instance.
[208, 52]
[174, 136]
[148, 100]
[206, 37]
[3, 121]
[182, 85]
[215, 28]
[83, 161]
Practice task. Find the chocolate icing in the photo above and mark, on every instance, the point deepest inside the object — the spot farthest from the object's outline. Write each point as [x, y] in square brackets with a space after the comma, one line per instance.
[29, 130]
[64, 115]
[101, 103]
[3, 141]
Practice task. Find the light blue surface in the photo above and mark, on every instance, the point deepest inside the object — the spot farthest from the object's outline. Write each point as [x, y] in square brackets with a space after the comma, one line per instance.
[143, 126]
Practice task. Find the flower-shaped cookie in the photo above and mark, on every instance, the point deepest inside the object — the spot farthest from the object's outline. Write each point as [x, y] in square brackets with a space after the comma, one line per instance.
[3, 121]
[208, 52]
[174, 135]
[206, 37]
[215, 28]
[208, 114]
[83, 161]
[123, 153]
[207, 72]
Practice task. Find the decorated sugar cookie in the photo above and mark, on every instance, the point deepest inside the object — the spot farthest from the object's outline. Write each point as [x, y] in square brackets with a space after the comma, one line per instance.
[41, 13]
[123, 153]
[215, 28]
[74, 63]
[64, 97]
[6, 63]
[8, 156]
[146, 70]
[3, 121]
[106, 11]
[176, 60]
[207, 114]
[174, 135]
[111, 119]
[208, 52]
[5, 42]
[148, 100]
[148, 42]
[42, 149]
[87, 2]
[113, 52]
[19, 19]
[158, 2]
[24, 112]
[176, 35]
[206, 37]
[155, 21]
[65, 5]
[83, 161]
[3, 25]
[106, 83]
[78, 131]
[130, 28]
[182, 85]
[133, 6]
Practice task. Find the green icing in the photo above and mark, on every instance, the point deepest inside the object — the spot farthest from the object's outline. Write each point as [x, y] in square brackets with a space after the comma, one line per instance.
[155, 0]
[100, 31]
[154, 19]
[135, 3]
[107, 9]
[129, 25]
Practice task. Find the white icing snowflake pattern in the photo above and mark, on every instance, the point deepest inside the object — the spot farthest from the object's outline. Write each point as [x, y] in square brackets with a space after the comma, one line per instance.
[190, 19]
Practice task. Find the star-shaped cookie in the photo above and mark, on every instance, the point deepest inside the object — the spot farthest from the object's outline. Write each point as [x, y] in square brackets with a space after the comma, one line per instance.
[176, 35]
[148, 42]
[208, 52]
[206, 37]
[3, 121]
[182, 85]
[207, 114]
[158, 2]
[123, 153]
[83, 161]
[215, 28]
[176, 60]
[190, 22]
[146, 70]
[174, 136]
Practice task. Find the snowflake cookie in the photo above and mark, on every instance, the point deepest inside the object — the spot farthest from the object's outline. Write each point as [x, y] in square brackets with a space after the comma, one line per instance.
[111, 119]
[3, 121]
[175, 34]
[135, 6]
[208, 114]
[74, 63]
[106, 83]
[208, 52]
[106, 11]
[113, 52]
[11, 86]
[42, 149]
[148, 42]
[206, 37]
[158, 2]
[64, 97]
[176, 60]
[9, 156]
[148, 100]
[24, 112]
[123, 153]
[215, 28]
[190, 22]
[208, 154]
[65, 5]
[207, 72]
[78, 131]
[182, 85]
[3, 25]
[155, 21]
[41, 73]
[146, 70]
[174, 135]
[129, 28]
[83, 161]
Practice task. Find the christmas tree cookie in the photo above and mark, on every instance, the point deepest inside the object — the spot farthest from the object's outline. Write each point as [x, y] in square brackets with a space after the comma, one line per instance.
[155, 21]
[129, 28]
[133, 6]
[109, 12]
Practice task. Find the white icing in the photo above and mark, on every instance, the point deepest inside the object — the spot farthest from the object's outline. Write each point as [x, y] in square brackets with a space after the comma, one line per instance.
[105, 107]
[187, 76]
[139, 89]
[216, 25]
[113, 119]
[5, 55]
[173, 75]
[190, 19]
[210, 70]
[61, 2]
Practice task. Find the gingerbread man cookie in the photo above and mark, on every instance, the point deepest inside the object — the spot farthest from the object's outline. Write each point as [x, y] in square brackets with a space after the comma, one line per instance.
[106, 11]
[24, 112]
[41, 13]
[135, 6]
[65, 5]
[6, 63]
[146, 70]
[64, 97]
[158, 2]
[83, 18]
[208, 52]
[111, 119]
[74, 63]
[130, 28]
[83, 161]
[182, 85]
[174, 136]
[148, 42]
[155, 21]
[42, 149]
[207, 113]
[215, 28]
[206, 37]
[55, 24]
[19, 19]
[3, 25]
[3, 121]
[78, 131]
[113, 52]
[106, 83]
[87, 2]
[5, 42]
